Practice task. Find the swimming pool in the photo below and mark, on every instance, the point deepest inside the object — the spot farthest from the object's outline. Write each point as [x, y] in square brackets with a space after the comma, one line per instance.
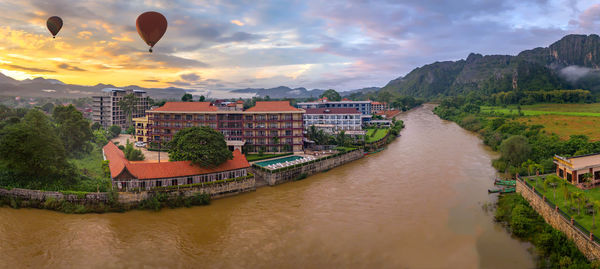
[282, 160]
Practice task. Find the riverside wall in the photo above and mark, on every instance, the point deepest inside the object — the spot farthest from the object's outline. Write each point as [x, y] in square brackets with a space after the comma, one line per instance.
[583, 241]
[132, 198]
[292, 173]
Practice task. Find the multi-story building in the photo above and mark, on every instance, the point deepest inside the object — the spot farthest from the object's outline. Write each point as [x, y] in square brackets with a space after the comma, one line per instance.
[377, 107]
[106, 109]
[269, 126]
[333, 120]
[145, 175]
[363, 106]
[141, 129]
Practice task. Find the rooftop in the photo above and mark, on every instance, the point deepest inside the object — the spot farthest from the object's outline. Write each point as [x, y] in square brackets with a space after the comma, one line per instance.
[186, 107]
[118, 165]
[332, 110]
[272, 106]
[583, 161]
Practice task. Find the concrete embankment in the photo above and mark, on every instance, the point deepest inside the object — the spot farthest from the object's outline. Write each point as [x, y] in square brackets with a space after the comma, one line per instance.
[584, 241]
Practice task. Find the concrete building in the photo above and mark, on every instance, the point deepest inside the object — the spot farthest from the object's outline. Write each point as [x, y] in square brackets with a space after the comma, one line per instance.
[573, 169]
[269, 126]
[106, 109]
[377, 107]
[333, 120]
[364, 107]
[141, 129]
[145, 175]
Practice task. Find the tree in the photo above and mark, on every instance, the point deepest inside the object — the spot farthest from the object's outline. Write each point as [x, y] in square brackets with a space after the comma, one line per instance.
[202, 98]
[100, 137]
[515, 150]
[114, 130]
[132, 153]
[129, 105]
[48, 107]
[552, 181]
[73, 129]
[342, 139]
[331, 95]
[187, 98]
[203, 146]
[96, 126]
[32, 148]
[588, 178]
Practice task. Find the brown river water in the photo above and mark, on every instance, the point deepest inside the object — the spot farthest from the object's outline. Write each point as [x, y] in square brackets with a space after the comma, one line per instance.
[417, 204]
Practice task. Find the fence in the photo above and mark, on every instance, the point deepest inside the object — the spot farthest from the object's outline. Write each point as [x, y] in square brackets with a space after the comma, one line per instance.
[585, 241]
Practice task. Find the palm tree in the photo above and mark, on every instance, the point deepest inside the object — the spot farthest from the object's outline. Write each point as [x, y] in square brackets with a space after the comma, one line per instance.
[552, 181]
[565, 190]
[596, 207]
[579, 197]
[587, 177]
[129, 105]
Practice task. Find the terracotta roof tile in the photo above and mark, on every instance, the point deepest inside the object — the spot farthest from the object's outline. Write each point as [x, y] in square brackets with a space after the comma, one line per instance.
[187, 107]
[154, 170]
[267, 106]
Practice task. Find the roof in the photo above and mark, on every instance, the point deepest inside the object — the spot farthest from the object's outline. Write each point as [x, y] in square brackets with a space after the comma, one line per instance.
[240, 101]
[268, 106]
[346, 99]
[186, 107]
[376, 103]
[332, 110]
[153, 170]
[584, 161]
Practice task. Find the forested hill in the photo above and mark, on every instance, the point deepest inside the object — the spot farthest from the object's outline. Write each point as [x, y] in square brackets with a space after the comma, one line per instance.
[570, 63]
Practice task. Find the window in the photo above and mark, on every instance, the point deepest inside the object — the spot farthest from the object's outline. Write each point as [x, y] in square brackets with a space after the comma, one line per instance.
[188, 117]
[174, 182]
[190, 180]
[158, 183]
[143, 185]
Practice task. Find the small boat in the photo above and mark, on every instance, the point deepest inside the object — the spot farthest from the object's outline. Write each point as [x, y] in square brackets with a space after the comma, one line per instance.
[508, 190]
[505, 182]
[493, 190]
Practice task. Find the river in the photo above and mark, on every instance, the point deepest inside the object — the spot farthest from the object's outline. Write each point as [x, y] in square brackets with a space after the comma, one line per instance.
[417, 204]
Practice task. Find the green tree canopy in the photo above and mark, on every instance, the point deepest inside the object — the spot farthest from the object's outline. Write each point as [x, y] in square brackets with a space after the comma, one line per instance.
[332, 95]
[203, 146]
[132, 153]
[114, 130]
[73, 129]
[515, 150]
[32, 148]
[201, 98]
[187, 98]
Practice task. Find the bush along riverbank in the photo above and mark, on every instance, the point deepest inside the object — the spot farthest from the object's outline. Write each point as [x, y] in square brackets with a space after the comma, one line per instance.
[155, 202]
[552, 247]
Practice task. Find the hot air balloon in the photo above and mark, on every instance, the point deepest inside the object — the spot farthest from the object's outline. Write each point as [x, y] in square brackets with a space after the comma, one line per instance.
[54, 24]
[151, 26]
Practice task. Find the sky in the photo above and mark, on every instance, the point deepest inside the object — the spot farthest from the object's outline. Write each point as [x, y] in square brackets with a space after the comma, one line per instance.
[220, 44]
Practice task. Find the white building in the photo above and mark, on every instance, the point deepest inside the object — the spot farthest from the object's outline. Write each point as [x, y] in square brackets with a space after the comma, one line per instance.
[333, 120]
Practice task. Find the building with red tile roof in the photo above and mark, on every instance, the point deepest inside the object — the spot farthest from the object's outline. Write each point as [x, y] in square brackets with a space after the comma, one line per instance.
[146, 174]
[269, 126]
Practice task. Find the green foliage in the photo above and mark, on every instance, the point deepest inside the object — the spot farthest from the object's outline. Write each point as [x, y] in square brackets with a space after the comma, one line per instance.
[332, 95]
[201, 145]
[201, 98]
[130, 130]
[96, 126]
[100, 137]
[114, 131]
[132, 153]
[187, 98]
[515, 150]
[129, 105]
[73, 129]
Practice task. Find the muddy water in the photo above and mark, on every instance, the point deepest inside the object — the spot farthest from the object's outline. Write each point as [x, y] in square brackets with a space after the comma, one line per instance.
[417, 204]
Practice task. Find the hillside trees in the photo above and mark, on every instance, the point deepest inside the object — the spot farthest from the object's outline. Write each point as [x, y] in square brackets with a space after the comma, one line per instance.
[73, 129]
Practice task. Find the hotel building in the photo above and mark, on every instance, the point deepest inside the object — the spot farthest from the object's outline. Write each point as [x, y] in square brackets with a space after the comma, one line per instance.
[364, 107]
[106, 109]
[333, 120]
[573, 169]
[269, 126]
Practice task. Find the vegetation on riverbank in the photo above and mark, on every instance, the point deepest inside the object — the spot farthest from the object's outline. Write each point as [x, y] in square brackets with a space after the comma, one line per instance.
[553, 248]
[155, 202]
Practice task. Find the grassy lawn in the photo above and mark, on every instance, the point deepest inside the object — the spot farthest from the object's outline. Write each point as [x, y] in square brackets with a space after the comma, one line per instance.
[565, 126]
[90, 164]
[256, 157]
[374, 134]
[569, 206]
[344, 149]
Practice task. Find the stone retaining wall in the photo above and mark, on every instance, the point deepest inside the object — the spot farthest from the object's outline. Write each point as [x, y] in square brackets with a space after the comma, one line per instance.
[273, 178]
[126, 198]
[589, 248]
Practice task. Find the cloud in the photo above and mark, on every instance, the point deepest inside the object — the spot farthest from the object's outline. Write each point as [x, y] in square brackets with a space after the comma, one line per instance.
[151, 80]
[69, 67]
[237, 22]
[190, 77]
[30, 69]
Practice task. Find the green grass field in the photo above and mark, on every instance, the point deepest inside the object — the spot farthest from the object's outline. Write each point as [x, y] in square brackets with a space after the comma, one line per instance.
[590, 110]
[90, 164]
[569, 206]
[374, 134]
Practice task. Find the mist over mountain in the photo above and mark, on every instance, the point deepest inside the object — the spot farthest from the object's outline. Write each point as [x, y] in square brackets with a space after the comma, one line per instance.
[570, 63]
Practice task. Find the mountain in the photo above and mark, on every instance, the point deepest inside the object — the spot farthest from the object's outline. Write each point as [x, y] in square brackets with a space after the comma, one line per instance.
[282, 92]
[41, 87]
[572, 62]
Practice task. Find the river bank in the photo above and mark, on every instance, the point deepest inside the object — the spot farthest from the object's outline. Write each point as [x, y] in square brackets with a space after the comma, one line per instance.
[494, 131]
[419, 198]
